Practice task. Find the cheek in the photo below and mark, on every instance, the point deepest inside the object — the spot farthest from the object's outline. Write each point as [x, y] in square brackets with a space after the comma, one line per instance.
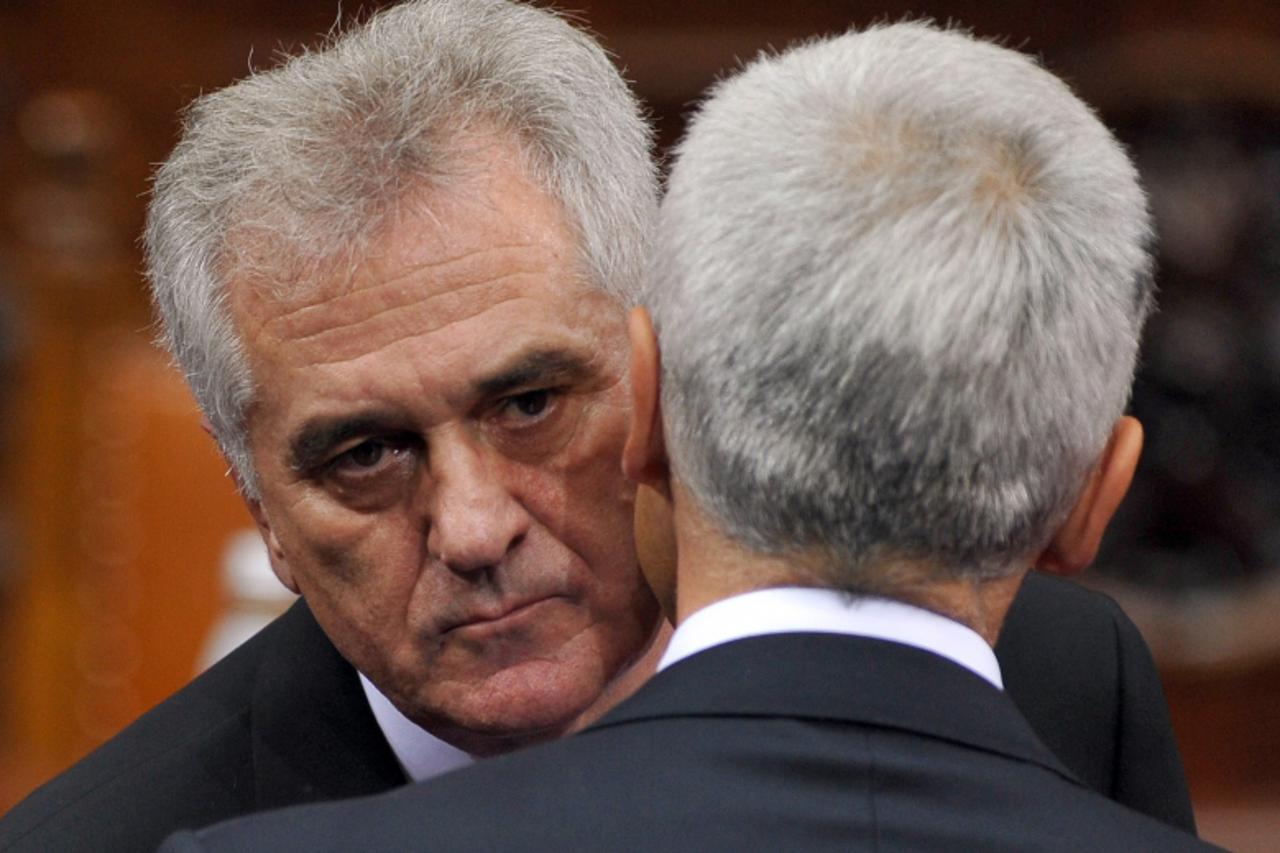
[584, 494]
[360, 563]
[595, 517]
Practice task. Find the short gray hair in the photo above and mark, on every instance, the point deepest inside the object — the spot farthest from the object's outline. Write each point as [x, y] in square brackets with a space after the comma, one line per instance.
[899, 282]
[304, 163]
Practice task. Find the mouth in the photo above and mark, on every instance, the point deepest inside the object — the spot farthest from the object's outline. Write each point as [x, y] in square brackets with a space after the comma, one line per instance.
[499, 619]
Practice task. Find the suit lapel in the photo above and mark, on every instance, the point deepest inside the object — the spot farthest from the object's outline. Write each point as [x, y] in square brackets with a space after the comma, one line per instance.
[313, 734]
[836, 678]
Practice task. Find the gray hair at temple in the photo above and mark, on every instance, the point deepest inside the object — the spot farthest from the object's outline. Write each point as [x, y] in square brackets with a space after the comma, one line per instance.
[288, 175]
[899, 282]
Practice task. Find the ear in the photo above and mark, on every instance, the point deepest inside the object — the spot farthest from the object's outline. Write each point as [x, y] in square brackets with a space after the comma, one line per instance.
[1076, 543]
[275, 553]
[656, 547]
[644, 457]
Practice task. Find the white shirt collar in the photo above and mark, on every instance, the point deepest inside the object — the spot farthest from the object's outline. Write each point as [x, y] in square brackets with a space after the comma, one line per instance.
[787, 610]
[421, 754]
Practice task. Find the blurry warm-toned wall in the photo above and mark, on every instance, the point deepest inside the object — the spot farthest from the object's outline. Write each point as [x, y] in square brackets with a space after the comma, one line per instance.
[115, 509]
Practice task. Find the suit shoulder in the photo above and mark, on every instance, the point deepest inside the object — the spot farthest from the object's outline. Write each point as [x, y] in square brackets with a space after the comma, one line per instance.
[718, 784]
[1058, 631]
[1060, 602]
[927, 790]
[183, 758]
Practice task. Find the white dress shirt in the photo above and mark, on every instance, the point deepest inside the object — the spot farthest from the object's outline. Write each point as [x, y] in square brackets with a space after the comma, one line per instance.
[421, 754]
[783, 610]
[786, 610]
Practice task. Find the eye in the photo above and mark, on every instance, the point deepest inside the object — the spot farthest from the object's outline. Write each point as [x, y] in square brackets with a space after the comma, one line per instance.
[531, 404]
[372, 459]
[366, 454]
[532, 424]
[528, 409]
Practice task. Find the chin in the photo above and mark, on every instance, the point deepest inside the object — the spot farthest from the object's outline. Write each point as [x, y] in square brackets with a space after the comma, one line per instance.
[485, 735]
[521, 705]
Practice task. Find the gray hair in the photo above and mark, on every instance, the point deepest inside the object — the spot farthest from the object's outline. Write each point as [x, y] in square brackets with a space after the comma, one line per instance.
[293, 171]
[899, 281]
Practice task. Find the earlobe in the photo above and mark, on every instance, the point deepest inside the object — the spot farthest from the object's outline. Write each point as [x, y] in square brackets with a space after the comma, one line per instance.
[1077, 541]
[275, 553]
[644, 457]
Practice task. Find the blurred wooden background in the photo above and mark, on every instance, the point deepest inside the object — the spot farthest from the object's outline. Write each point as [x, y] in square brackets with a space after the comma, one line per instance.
[114, 507]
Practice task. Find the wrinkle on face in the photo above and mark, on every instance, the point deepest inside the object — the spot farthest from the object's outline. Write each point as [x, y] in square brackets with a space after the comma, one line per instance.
[483, 283]
[451, 279]
[322, 338]
[352, 325]
[451, 269]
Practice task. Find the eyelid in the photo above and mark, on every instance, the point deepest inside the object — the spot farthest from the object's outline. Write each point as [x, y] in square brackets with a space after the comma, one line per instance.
[369, 488]
[393, 442]
[554, 398]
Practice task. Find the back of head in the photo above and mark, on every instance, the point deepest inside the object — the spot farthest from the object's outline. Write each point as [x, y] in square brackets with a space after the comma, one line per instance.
[899, 283]
[289, 175]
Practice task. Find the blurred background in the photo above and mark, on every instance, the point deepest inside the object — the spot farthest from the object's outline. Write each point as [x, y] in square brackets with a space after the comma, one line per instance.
[123, 567]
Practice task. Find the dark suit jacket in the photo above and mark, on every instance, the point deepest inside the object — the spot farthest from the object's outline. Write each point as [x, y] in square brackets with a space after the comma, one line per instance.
[788, 742]
[1082, 675]
[283, 721]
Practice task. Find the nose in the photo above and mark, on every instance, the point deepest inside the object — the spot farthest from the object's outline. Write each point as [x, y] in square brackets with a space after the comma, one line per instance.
[474, 519]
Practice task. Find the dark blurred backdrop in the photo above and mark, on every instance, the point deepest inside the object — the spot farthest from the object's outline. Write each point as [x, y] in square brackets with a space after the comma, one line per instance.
[115, 512]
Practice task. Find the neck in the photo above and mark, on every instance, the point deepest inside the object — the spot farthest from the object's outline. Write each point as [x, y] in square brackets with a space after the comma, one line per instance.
[979, 604]
[712, 567]
[629, 680]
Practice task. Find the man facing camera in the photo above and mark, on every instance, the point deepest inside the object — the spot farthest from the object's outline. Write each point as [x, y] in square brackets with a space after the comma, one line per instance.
[390, 271]
[396, 273]
[899, 284]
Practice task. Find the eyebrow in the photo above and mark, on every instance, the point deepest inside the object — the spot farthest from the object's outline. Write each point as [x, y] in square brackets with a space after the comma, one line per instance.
[539, 366]
[312, 444]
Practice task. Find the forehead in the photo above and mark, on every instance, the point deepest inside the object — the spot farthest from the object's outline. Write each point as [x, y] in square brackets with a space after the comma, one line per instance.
[470, 272]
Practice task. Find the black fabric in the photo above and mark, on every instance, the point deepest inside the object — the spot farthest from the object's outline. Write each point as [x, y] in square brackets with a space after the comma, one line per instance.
[280, 721]
[283, 720]
[788, 742]
[1080, 672]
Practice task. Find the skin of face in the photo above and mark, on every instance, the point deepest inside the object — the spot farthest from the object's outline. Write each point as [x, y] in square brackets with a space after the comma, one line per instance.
[437, 438]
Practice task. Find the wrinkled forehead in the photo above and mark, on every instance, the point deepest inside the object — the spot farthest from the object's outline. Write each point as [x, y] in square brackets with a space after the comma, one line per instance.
[446, 254]
[287, 245]
[289, 255]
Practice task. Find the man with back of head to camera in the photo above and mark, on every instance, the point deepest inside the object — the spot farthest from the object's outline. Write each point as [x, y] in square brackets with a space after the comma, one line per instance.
[395, 272]
[899, 283]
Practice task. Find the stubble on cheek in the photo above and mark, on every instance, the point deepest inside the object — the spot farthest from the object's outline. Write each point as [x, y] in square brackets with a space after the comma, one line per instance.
[532, 684]
[359, 583]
